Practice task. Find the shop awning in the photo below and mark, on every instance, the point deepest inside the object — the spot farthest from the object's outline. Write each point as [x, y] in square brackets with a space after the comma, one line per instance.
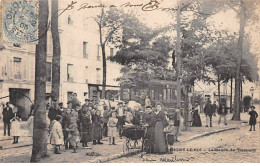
[109, 88]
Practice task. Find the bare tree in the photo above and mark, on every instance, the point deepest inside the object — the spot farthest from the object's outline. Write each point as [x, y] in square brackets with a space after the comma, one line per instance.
[39, 149]
[56, 50]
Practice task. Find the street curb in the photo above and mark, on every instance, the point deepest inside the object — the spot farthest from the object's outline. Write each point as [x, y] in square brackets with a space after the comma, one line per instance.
[210, 133]
[117, 156]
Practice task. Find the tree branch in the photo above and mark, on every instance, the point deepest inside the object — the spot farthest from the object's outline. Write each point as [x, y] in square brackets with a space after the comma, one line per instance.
[111, 33]
[232, 7]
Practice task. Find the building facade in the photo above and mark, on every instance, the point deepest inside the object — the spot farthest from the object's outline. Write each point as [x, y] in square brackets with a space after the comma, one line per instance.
[80, 68]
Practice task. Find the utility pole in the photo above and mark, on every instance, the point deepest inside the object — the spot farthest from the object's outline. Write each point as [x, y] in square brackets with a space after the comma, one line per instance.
[178, 55]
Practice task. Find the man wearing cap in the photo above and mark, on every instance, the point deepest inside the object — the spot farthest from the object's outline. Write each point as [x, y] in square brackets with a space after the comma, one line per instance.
[61, 107]
[121, 117]
[253, 116]
[208, 112]
[74, 101]
[7, 116]
[222, 111]
[54, 110]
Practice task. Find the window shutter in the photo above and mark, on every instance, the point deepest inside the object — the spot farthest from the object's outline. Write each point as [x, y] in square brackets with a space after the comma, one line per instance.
[10, 67]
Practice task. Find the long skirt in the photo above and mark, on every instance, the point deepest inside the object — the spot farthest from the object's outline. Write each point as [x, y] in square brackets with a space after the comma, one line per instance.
[181, 124]
[16, 128]
[160, 145]
[97, 132]
[86, 134]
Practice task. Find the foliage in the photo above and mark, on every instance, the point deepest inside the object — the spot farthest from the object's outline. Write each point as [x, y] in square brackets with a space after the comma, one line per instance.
[246, 101]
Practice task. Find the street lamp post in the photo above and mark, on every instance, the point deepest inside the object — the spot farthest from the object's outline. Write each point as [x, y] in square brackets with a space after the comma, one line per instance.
[252, 94]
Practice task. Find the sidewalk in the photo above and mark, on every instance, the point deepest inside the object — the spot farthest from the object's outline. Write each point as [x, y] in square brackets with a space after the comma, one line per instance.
[106, 152]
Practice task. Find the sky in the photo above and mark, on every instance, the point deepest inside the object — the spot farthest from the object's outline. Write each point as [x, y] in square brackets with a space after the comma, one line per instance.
[156, 18]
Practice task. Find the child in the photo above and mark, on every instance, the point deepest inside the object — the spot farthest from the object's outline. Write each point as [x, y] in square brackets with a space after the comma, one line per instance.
[112, 122]
[253, 116]
[56, 134]
[73, 136]
[16, 127]
[170, 134]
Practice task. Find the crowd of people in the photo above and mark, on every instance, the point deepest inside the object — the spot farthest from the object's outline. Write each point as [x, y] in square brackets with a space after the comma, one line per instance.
[92, 121]
[86, 123]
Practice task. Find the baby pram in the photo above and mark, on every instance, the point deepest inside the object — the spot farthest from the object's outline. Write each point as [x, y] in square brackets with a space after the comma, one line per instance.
[133, 134]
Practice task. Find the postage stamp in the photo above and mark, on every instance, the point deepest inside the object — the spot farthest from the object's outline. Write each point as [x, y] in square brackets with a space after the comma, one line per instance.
[19, 21]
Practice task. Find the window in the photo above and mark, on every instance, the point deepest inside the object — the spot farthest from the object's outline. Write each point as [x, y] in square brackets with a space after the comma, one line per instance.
[111, 51]
[164, 94]
[98, 53]
[17, 67]
[48, 71]
[69, 72]
[86, 74]
[169, 94]
[85, 55]
[98, 75]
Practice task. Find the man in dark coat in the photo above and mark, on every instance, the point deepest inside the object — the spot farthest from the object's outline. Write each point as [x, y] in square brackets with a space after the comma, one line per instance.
[222, 111]
[74, 100]
[7, 116]
[253, 116]
[208, 112]
[54, 110]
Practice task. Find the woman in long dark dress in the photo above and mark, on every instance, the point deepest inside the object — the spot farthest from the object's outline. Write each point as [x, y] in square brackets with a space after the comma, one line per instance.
[160, 145]
[149, 119]
[196, 119]
[97, 127]
[86, 127]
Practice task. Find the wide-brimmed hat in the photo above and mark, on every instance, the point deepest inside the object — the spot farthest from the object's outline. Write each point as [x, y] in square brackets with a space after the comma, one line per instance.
[253, 107]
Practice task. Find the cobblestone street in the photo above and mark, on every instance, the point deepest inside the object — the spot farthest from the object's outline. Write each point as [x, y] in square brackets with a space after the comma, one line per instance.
[241, 138]
[215, 148]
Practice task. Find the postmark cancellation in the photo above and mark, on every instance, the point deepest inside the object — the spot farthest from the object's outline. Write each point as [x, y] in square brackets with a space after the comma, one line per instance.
[19, 21]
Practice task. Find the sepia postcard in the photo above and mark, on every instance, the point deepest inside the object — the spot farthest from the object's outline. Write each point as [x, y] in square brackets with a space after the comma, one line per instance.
[129, 81]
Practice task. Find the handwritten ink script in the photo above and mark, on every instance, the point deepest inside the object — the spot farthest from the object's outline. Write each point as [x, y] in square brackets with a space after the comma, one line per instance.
[152, 5]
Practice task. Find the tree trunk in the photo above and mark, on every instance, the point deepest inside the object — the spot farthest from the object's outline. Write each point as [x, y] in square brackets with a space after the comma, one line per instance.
[55, 89]
[178, 55]
[186, 108]
[231, 95]
[219, 98]
[104, 72]
[39, 149]
[241, 96]
[236, 115]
